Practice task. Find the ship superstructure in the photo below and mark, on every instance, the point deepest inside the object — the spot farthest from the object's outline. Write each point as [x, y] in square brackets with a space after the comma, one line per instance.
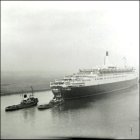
[88, 82]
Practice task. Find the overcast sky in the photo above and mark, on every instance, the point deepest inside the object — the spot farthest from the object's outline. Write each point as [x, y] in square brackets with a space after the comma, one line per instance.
[58, 35]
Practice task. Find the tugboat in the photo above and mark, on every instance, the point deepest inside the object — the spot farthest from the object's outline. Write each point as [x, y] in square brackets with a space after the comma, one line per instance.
[56, 101]
[45, 106]
[25, 103]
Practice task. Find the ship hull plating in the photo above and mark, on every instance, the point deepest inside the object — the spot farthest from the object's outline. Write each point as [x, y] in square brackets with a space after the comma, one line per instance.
[85, 91]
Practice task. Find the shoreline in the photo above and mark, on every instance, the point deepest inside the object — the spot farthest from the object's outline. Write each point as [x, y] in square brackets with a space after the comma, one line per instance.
[19, 92]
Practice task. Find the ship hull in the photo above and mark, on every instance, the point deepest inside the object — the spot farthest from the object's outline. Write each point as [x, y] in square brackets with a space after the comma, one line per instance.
[85, 91]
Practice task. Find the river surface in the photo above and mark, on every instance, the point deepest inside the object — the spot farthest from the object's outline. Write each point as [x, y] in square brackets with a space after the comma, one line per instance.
[112, 115]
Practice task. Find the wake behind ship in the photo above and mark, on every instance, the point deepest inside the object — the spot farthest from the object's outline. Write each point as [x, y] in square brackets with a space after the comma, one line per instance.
[89, 82]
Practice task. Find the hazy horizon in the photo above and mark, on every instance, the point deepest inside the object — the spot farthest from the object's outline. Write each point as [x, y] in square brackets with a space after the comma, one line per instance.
[66, 36]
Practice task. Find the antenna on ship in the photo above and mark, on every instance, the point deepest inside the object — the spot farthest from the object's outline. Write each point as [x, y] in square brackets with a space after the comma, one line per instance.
[22, 93]
[32, 90]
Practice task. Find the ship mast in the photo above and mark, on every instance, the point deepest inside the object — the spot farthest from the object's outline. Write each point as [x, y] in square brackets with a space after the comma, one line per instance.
[32, 90]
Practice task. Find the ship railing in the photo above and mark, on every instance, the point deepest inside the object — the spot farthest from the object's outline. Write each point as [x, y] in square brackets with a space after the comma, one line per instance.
[62, 84]
[77, 83]
[54, 84]
[67, 79]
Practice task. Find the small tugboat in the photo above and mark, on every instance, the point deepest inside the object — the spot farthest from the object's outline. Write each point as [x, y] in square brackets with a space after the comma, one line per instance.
[45, 106]
[54, 102]
[25, 103]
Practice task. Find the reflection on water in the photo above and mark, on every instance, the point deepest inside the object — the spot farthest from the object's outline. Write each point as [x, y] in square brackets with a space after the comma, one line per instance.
[112, 115]
[29, 115]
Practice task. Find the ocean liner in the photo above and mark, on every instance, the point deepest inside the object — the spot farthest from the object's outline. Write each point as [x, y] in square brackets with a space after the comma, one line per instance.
[89, 82]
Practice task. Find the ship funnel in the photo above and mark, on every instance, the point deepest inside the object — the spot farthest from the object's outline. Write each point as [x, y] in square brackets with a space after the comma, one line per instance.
[106, 53]
[106, 60]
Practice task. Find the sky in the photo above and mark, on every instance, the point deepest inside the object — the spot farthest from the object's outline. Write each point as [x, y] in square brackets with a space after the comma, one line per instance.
[68, 35]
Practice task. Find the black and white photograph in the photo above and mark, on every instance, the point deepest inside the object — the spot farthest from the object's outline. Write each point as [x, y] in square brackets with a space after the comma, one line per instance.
[69, 69]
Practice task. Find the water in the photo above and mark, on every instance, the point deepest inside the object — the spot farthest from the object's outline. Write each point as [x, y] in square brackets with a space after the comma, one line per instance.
[112, 115]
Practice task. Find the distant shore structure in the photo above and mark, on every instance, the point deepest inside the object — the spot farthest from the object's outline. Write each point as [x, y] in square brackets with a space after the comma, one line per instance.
[89, 82]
